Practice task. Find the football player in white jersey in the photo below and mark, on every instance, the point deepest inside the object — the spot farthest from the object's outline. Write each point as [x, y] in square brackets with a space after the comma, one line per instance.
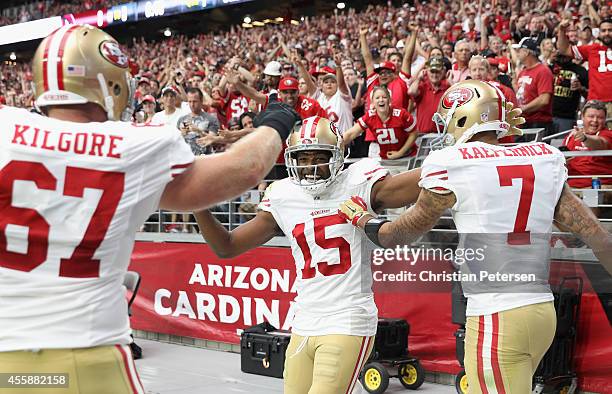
[75, 186]
[516, 192]
[335, 315]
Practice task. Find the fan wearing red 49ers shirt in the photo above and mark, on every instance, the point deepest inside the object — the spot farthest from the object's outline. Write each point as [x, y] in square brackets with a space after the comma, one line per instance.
[305, 106]
[599, 58]
[394, 128]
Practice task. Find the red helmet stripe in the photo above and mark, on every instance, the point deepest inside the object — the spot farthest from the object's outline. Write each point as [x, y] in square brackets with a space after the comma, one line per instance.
[45, 60]
[313, 129]
[60, 56]
[501, 103]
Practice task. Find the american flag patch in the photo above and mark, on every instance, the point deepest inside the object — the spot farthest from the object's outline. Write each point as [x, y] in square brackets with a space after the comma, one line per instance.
[75, 70]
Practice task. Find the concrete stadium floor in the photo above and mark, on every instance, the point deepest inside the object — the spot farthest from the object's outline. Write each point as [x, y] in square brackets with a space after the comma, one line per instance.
[175, 369]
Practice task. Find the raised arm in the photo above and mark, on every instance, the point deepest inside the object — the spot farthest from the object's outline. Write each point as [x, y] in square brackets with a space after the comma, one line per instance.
[245, 89]
[227, 244]
[563, 43]
[409, 50]
[215, 178]
[580, 220]
[365, 50]
[303, 72]
[342, 87]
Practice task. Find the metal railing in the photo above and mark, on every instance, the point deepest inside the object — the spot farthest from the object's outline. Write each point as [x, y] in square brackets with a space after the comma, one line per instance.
[233, 213]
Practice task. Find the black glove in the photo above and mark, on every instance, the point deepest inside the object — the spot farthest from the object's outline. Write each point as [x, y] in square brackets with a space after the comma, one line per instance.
[280, 116]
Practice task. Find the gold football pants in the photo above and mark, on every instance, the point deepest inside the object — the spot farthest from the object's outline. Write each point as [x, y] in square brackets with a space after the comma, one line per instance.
[503, 350]
[326, 364]
[96, 370]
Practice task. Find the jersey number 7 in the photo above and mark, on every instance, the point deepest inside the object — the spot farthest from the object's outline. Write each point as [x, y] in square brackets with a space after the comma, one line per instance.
[81, 264]
[520, 235]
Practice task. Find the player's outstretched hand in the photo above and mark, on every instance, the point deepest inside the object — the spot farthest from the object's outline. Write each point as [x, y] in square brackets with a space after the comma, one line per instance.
[513, 116]
[280, 116]
[353, 210]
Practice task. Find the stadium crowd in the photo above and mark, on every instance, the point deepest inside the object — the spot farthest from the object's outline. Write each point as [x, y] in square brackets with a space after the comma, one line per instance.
[547, 57]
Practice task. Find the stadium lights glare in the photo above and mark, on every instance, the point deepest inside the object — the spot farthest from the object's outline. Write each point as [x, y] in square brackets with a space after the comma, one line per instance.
[12, 56]
[302, 19]
[258, 23]
[247, 19]
[279, 19]
[267, 20]
[294, 22]
[247, 25]
[340, 6]
[167, 32]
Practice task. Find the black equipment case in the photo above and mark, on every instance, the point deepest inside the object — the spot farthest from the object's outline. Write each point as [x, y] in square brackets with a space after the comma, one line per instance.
[391, 338]
[262, 350]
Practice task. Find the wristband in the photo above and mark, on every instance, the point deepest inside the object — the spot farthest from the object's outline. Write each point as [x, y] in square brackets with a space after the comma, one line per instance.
[280, 117]
[371, 229]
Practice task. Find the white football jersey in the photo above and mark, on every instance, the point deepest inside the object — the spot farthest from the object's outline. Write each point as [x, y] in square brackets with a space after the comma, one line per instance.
[333, 281]
[338, 108]
[509, 191]
[72, 196]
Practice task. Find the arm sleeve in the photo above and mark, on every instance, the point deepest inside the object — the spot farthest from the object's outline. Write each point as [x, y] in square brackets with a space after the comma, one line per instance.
[581, 52]
[434, 174]
[367, 172]
[363, 121]
[409, 122]
[270, 202]
[371, 81]
[545, 82]
[405, 78]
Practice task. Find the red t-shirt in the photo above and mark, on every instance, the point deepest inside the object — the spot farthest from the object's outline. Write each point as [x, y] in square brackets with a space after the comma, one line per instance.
[398, 88]
[599, 58]
[234, 105]
[427, 101]
[588, 165]
[533, 82]
[392, 134]
[307, 107]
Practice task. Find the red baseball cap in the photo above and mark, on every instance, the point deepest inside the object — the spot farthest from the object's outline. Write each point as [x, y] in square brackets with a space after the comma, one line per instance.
[288, 83]
[385, 66]
[149, 98]
[323, 71]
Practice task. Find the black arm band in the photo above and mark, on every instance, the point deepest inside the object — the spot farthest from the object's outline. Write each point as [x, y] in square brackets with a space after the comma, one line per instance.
[371, 229]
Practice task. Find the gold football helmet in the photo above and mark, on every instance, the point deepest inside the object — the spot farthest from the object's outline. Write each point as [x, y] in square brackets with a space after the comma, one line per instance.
[80, 64]
[472, 107]
[315, 133]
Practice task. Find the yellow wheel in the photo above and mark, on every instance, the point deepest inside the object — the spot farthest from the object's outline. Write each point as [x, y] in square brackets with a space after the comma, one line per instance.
[375, 378]
[411, 375]
[461, 383]
[563, 388]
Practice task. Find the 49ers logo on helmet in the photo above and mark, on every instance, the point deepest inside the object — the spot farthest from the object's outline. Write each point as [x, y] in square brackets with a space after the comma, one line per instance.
[110, 51]
[460, 95]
